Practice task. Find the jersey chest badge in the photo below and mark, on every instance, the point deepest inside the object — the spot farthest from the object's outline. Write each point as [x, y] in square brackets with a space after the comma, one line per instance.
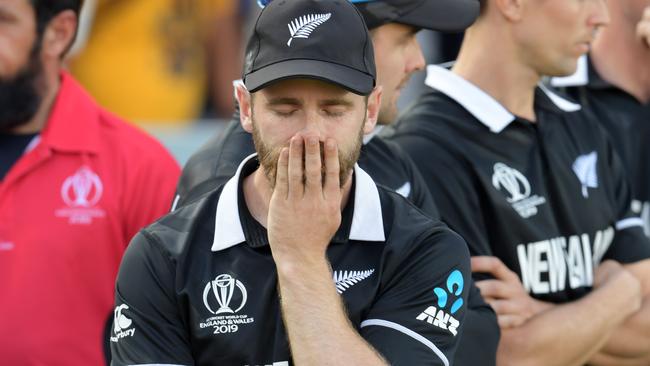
[517, 190]
[225, 297]
[585, 169]
[81, 192]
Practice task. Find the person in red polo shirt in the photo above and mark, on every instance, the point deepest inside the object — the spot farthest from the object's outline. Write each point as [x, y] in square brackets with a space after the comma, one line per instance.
[76, 183]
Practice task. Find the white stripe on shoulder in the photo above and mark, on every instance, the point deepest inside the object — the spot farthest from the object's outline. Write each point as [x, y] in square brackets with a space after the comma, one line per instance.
[629, 222]
[175, 203]
[408, 332]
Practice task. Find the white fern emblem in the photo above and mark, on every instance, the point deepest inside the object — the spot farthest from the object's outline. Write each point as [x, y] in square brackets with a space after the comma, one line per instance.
[303, 26]
[344, 279]
[585, 169]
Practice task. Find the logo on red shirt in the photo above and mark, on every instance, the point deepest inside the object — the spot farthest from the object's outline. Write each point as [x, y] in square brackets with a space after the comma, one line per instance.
[83, 189]
[81, 192]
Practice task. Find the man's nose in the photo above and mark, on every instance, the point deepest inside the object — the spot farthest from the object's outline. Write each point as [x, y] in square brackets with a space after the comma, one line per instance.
[600, 14]
[313, 126]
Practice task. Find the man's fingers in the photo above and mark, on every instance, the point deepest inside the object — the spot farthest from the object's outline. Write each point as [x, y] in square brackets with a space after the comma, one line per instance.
[332, 173]
[282, 174]
[493, 266]
[313, 175]
[296, 186]
[493, 288]
[510, 321]
[504, 307]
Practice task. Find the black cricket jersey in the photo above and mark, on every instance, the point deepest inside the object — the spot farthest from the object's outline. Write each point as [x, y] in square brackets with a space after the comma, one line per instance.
[626, 119]
[199, 287]
[217, 161]
[550, 198]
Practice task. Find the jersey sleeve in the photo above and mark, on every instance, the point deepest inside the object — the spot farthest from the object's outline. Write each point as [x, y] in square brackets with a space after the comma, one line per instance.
[420, 194]
[418, 317]
[481, 333]
[630, 243]
[453, 190]
[147, 325]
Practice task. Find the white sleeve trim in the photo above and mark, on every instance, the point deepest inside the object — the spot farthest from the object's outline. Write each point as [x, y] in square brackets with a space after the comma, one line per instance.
[176, 199]
[629, 222]
[408, 332]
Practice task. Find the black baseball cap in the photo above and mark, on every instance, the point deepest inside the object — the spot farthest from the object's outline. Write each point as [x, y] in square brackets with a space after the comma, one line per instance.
[438, 15]
[317, 39]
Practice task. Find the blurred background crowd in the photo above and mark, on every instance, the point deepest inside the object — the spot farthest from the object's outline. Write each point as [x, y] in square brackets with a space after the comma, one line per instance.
[178, 59]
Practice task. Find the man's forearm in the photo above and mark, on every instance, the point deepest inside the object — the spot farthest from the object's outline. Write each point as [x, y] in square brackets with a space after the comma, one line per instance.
[568, 334]
[630, 342]
[318, 328]
[602, 359]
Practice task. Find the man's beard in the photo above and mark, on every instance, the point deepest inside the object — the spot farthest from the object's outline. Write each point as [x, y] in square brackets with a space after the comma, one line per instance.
[268, 157]
[21, 94]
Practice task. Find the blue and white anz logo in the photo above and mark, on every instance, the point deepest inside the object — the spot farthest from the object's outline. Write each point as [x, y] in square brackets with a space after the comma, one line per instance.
[438, 316]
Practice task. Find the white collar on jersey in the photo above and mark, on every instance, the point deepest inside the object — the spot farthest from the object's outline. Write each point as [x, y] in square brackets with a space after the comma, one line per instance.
[367, 219]
[485, 108]
[579, 78]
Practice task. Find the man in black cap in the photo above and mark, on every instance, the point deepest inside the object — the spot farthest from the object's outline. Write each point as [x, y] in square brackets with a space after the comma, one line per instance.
[534, 186]
[299, 258]
[393, 25]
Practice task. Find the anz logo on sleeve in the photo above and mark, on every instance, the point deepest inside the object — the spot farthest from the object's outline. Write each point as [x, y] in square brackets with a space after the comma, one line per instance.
[449, 302]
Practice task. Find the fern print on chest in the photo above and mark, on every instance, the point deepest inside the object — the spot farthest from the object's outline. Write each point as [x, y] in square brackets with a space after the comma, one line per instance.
[303, 26]
[346, 279]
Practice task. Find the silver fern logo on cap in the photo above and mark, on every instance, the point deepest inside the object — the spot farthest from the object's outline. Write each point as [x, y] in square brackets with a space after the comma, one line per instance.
[302, 27]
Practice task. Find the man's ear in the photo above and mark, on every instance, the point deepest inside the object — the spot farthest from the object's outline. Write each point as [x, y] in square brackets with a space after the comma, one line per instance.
[59, 34]
[512, 10]
[244, 99]
[372, 110]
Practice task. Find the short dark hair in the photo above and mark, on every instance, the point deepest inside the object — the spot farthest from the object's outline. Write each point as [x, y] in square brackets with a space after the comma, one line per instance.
[48, 9]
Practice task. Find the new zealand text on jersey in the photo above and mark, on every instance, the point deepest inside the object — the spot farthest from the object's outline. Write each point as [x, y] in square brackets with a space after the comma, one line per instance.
[548, 265]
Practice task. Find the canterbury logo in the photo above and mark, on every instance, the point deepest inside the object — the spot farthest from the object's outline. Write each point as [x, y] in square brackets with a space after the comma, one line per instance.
[303, 26]
[345, 279]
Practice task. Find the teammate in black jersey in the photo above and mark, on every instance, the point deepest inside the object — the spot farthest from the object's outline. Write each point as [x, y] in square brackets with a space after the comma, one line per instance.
[613, 83]
[535, 187]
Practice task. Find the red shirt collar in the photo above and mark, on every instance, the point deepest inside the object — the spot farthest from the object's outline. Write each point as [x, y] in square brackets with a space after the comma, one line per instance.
[73, 124]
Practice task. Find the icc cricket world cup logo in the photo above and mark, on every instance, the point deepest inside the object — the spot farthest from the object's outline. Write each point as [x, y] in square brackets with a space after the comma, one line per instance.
[83, 189]
[512, 181]
[223, 289]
